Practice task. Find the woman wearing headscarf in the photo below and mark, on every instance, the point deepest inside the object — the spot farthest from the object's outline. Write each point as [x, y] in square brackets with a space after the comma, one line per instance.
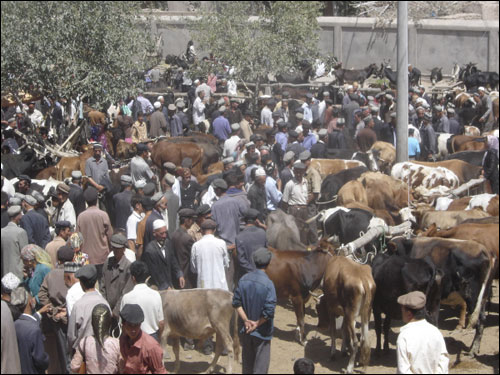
[76, 242]
[100, 352]
[37, 264]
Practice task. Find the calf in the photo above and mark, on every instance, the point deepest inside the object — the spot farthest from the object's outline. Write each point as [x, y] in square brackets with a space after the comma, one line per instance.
[467, 268]
[198, 314]
[295, 274]
[394, 276]
[282, 232]
[332, 183]
[348, 289]
[326, 167]
[487, 202]
[448, 219]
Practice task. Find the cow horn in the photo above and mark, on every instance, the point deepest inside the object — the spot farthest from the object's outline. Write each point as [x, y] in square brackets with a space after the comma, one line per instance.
[310, 220]
[317, 298]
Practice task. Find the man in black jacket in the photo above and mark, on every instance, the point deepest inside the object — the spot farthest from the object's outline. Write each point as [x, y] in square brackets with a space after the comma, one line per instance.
[161, 260]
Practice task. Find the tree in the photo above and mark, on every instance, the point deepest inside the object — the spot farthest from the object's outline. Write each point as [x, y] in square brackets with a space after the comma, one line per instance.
[282, 34]
[97, 50]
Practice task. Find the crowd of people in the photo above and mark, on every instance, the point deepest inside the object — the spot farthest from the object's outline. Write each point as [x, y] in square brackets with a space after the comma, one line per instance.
[87, 273]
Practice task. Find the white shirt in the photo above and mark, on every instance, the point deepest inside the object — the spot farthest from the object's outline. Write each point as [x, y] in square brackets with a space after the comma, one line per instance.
[232, 88]
[151, 305]
[67, 212]
[132, 222]
[209, 197]
[198, 111]
[36, 117]
[176, 188]
[266, 116]
[140, 170]
[308, 115]
[129, 254]
[230, 146]
[74, 294]
[321, 108]
[209, 257]
[421, 349]
[295, 193]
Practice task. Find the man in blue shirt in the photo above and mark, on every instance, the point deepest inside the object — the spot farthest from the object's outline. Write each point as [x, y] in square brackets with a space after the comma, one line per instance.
[309, 138]
[221, 127]
[282, 136]
[255, 301]
[413, 146]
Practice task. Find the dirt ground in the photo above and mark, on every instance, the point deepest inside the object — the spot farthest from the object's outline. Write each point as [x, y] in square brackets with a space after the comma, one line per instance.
[285, 349]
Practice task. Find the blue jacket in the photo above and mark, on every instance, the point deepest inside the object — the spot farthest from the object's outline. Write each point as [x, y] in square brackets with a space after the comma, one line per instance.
[32, 355]
[37, 228]
[256, 294]
[247, 242]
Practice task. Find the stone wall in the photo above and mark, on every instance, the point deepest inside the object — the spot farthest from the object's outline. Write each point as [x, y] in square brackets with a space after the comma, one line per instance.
[355, 41]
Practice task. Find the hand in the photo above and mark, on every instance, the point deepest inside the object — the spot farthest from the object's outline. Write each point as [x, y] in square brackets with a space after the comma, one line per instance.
[481, 120]
[45, 308]
[61, 314]
[250, 326]
[100, 188]
[182, 282]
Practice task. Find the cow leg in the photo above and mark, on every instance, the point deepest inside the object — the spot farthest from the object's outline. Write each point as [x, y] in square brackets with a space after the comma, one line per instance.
[218, 350]
[333, 335]
[351, 334]
[175, 347]
[476, 342]
[377, 315]
[298, 306]
[387, 328]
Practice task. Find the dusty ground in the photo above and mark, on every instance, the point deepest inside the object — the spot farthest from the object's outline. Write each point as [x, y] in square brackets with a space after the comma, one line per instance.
[285, 350]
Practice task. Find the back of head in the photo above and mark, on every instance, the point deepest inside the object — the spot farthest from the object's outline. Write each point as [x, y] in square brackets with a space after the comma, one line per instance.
[303, 366]
[140, 271]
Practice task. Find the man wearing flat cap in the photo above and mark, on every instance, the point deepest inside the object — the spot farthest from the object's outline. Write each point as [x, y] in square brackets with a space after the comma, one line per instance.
[318, 150]
[63, 232]
[24, 185]
[76, 192]
[141, 353]
[429, 139]
[65, 210]
[14, 238]
[80, 319]
[116, 279]
[139, 168]
[420, 346]
[203, 212]
[255, 301]
[96, 169]
[231, 144]
[443, 122]
[246, 129]
[182, 243]
[121, 203]
[35, 225]
[209, 259]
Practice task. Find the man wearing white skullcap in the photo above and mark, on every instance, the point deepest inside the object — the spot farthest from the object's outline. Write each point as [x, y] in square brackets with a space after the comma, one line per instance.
[158, 123]
[161, 260]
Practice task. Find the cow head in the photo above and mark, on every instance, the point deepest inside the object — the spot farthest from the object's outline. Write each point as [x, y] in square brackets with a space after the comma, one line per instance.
[369, 158]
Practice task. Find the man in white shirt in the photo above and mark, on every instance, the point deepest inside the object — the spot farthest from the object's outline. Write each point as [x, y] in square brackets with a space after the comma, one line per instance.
[66, 211]
[209, 259]
[199, 109]
[75, 291]
[420, 347]
[132, 221]
[266, 115]
[34, 115]
[231, 143]
[322, 104]
[147, 298]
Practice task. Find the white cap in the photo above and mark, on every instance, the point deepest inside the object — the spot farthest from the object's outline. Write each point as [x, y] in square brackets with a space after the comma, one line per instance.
[160, 98]
[159, 223]
[481, 88]
[260, 172]
[157, 105]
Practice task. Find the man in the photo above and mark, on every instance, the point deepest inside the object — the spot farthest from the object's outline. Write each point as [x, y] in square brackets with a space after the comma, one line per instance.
[116, 280]
[146, 106]
[221, 127]
[148, 299]
[159, 206]
[63, 232]
[454, 124]
[322, 105]
[180, 121]
[157, 122]
[255, 301]
[24, 185]
[182, 243]
[308, 115]
[65, 211]
[282, 136]
[366, 137]
[286, 173]
[9, 347]
[388, 131]
[160, 259]
[246, 124]
[139, 131]
[443, 124]
[266, 115]
[35, 116]
[485, 110]
[96, 169]
[318, 150]
[141, 353]
[257, 194]
[133, 220]
[35, 225]
[413, 146]
[122, 203]
[53, 293]
[95, 226]
[420, 346]
[76, 192]
[14, 238]
[234, 114]
[202, 213]
[173, 202]
[32, 355]
[295, 199]
[80, 319]
[429, 140]
[314, 187]
[204, 87]
[251, 238]
[209, 258]
[272, 185]
[75, 291]
[309, 138]
[231, 144]
[139, 168]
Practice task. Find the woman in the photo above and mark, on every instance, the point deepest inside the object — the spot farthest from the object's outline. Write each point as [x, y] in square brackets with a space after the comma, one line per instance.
[100, 352]
[37, 264]
[76, 242]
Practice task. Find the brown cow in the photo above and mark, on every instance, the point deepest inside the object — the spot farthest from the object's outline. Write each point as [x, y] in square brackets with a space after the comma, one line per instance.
[385, 192]
[449, 219]
[468, 143]
[349, 290]
[125, 150]
[46, 173]
[73, 163]
[472, 131]
[176, 152]
[463, 170]
[295, 274]
[487, 202]
[353, 191]
[386, 155]
[326, 167]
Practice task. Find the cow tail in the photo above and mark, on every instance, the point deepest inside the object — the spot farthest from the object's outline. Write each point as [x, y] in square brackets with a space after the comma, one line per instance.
[236, 336]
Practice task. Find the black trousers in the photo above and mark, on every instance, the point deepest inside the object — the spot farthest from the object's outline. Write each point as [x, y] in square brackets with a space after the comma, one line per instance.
[256, 354]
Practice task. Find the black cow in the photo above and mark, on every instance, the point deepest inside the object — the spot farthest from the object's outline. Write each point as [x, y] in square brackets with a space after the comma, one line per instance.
[436, 75]
[394, 276]
[387, 72]
[359, 75]
[471, 157]
[476, 80]
[298, 76]
[332, 183]
[414, 77]
[467, 269]
[22, 163]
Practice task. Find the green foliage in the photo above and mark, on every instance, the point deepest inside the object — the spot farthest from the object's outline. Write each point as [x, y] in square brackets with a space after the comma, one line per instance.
[69, 48]
[281, 35]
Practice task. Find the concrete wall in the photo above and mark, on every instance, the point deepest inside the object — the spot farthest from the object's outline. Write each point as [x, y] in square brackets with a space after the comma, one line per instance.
[355, 41]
